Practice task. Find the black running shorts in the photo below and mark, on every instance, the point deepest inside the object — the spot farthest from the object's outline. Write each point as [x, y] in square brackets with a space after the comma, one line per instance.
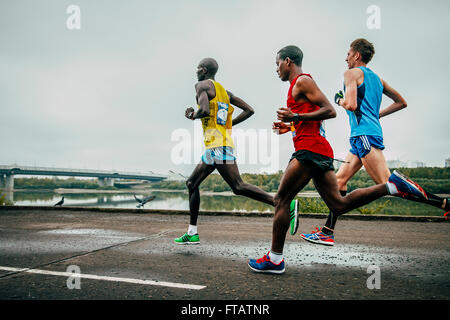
[323, 163]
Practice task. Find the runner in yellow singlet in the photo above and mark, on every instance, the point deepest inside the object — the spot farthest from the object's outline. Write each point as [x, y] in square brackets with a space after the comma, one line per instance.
[215, 109]
[217, 126]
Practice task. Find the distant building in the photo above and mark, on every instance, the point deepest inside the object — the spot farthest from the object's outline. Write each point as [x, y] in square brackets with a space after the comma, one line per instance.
[447, 162]
[418, 164]
[396, 164]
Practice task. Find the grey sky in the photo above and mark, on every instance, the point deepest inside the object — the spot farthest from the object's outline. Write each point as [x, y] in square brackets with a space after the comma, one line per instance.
[110, 95]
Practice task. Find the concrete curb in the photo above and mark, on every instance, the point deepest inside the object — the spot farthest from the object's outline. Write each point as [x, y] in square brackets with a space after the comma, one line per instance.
[227, 213]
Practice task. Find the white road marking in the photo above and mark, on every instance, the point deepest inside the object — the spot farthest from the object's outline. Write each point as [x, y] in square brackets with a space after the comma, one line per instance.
[105, 278]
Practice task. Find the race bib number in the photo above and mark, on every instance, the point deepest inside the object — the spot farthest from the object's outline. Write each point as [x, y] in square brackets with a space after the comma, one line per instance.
[222, 113]
[322, 130]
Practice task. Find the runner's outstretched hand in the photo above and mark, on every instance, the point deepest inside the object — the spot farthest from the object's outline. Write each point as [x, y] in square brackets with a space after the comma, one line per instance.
[189, 113]
[280, 127]
[338, 96]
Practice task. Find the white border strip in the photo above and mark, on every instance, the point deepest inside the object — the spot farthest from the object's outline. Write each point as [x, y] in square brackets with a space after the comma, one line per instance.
[105, 278]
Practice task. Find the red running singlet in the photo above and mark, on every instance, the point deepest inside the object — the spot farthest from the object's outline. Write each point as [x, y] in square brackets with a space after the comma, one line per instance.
[307, 135]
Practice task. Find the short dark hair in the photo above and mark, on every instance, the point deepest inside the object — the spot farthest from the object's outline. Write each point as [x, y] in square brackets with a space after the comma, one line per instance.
[292, 52]
[210, 64]
[365, 49]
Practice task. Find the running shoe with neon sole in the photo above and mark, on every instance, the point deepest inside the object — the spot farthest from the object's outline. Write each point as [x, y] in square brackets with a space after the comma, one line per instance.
[406, 187]
[294, 216]
[264, 265]
[319, 237]
[187, 239]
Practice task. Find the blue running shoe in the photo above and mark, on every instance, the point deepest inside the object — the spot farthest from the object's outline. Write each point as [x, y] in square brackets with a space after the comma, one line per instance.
[318, 237]
[264, 265]
[406, 188]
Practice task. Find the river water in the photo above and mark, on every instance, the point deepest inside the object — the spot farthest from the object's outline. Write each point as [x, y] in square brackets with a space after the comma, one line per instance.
[179, 200]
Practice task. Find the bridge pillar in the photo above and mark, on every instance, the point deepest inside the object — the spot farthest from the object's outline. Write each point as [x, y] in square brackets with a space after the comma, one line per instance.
[9, 196]
[106, 182]
[9, 182]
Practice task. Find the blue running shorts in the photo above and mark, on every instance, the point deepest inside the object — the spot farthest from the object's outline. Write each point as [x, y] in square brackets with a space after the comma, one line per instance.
[360, 146]
[219, 155]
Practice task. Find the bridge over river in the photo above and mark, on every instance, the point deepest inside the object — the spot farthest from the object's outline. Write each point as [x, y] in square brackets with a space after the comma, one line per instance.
[105, 178]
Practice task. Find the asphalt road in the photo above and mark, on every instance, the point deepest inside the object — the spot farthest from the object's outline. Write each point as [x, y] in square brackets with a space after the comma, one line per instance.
[126, 255]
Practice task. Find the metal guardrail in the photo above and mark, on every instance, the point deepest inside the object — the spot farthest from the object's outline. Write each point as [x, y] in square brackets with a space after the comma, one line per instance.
[28, 170]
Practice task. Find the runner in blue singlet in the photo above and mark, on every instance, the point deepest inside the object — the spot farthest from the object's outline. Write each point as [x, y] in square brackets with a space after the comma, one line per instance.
[363, 93]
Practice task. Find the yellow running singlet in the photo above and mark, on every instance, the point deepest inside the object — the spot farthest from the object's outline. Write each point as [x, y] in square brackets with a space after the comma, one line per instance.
[217, 127]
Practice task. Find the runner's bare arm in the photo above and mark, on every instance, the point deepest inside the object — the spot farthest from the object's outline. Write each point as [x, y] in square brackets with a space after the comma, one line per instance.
[351, 89]
[247, 111]
[202, 99]
[308, 88]
[399, 102]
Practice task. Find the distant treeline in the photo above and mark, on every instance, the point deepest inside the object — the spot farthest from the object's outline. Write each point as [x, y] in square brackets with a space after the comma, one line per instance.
[52, 183]
[435, 180]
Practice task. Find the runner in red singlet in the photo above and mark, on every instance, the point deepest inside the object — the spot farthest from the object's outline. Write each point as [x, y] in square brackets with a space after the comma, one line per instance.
[306, 108]
[307, 135]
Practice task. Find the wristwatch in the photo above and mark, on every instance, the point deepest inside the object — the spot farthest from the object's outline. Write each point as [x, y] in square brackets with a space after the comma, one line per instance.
[296, 117]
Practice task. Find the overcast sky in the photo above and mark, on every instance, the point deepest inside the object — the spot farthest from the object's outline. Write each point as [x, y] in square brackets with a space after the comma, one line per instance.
[112, 94]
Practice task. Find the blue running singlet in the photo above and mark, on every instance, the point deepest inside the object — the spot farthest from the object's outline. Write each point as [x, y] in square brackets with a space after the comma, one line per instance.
[365, 120]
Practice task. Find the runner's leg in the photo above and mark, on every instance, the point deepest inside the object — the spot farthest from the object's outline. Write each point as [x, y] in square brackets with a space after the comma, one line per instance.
[326, 185]
[201, 171]
[295, 178]
[230, 173]
[376, 166]
[344, 174]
